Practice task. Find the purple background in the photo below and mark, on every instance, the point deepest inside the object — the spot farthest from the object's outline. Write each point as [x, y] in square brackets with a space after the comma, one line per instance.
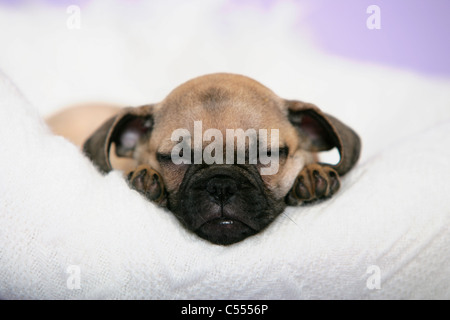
[414, 35]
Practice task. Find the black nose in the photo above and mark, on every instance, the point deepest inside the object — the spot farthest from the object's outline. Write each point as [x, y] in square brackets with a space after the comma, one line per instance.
[221, 188]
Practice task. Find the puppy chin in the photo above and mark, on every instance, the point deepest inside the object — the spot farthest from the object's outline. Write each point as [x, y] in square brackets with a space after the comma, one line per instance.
[224, 231]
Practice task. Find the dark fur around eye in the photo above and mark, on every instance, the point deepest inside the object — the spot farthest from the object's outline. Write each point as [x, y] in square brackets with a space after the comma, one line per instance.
[163, 157]
[283, 152]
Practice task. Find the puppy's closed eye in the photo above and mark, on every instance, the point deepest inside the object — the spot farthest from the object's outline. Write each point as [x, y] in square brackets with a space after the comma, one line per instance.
[164, 157]
[282, 152]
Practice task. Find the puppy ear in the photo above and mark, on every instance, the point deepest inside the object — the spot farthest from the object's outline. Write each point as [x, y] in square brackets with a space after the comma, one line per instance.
[125, 130]
[320, 132]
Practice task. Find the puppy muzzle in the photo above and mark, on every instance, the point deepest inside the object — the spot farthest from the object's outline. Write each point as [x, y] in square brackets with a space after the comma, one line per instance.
[222, 203]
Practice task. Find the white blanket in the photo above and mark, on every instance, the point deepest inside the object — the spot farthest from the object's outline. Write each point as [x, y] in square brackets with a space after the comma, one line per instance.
[67, 232]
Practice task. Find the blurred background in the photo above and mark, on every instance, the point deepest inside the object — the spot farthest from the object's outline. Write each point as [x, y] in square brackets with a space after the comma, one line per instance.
[357, 59]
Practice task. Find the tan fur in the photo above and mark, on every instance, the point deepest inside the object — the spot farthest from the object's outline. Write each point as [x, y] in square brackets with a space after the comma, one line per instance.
[221, 101]
[78, 122]
[240, 103]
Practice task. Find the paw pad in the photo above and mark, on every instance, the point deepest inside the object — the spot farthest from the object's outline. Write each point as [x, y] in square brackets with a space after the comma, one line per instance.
[315, 182]
[148, 182]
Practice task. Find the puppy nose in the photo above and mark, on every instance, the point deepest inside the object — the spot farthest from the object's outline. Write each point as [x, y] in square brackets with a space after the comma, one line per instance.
[221, 188]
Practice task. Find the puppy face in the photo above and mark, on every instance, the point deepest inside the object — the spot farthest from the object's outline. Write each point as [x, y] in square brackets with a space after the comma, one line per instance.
[223, 201]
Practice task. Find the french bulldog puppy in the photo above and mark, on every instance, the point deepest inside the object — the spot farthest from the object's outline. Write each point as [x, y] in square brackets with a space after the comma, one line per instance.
[222, 152]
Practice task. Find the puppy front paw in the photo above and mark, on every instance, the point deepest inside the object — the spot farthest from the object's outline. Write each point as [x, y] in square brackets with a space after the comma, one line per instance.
[148, 182]
[313, 183]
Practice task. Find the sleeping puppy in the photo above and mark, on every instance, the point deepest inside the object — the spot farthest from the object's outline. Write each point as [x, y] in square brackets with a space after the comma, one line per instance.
[222, 152]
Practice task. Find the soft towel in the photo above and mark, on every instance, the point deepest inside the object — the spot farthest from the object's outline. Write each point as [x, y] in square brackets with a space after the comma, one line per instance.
[67, 232]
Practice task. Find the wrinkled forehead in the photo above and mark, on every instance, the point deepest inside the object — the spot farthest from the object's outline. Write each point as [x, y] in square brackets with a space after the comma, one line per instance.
[226, 117]
[221, 103]
[222, 107]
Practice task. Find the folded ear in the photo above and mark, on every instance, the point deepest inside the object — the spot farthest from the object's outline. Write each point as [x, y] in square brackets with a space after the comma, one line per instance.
[125, 130]
[321, 132]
